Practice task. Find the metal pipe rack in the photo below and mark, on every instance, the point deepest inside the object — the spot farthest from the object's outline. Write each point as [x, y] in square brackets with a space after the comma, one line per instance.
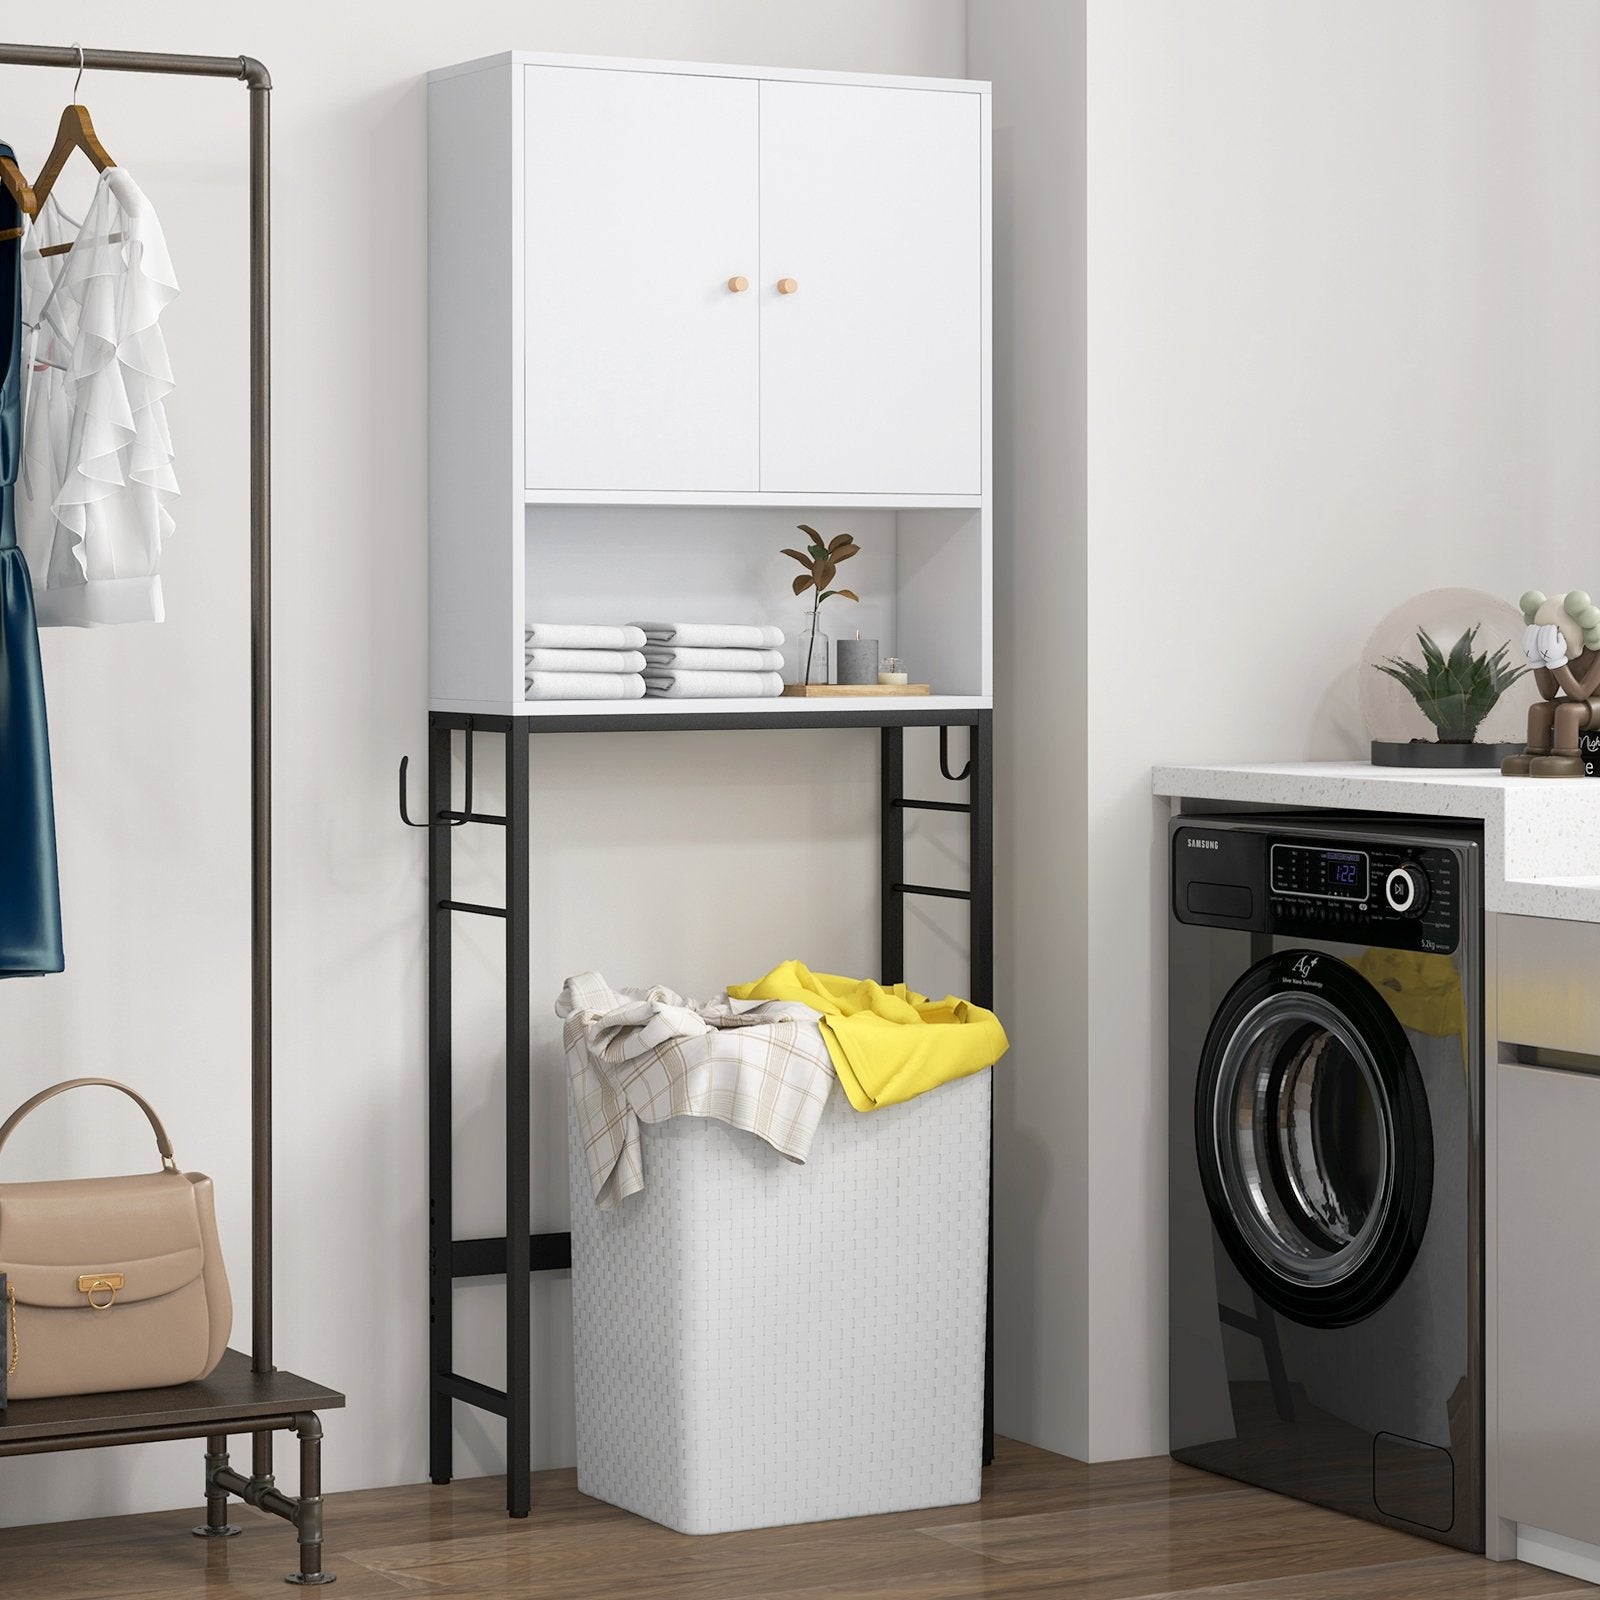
[245, 1394]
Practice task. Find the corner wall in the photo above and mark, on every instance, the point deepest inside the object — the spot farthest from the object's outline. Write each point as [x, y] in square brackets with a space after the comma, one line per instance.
[1034, 50]
[1342, 347]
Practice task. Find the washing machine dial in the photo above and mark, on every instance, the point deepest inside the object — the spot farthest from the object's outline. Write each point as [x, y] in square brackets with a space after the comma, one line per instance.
[1406, 889]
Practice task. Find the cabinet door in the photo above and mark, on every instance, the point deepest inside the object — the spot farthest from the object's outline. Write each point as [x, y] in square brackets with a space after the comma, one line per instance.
[1548, 1260]
[642, 367]
[871, 369]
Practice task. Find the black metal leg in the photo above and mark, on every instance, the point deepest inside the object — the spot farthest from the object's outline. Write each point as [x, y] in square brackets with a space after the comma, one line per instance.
[216, 1525]
[441, 1304]
[892, 857]
[980, 775]
[519, 1285]
[308, 1508]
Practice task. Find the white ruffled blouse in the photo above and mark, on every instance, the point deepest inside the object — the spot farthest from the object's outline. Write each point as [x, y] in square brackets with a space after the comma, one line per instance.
[96, 482]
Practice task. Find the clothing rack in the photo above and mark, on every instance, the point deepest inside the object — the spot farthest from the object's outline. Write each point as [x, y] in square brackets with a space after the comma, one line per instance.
[519, 1252]
[246, 1394]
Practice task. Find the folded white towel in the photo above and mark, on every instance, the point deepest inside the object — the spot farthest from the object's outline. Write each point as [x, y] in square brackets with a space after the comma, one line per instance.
[538, 660]
[693, 660]
[714, 635]
[584, 636]
[585, 686]
[659, 681]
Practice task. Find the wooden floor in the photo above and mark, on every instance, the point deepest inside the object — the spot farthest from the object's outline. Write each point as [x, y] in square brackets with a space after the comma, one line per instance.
[1131, 1530]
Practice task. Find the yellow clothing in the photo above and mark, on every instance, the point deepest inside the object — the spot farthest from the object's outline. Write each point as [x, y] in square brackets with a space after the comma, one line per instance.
[887, 1045]
[1423, 989]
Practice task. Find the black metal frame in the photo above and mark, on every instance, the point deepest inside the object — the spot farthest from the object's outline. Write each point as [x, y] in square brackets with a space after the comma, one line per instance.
[519, 1253]
[30, 1427]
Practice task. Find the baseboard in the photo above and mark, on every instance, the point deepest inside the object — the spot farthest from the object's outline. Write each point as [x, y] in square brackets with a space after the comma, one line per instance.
[1541, 1548]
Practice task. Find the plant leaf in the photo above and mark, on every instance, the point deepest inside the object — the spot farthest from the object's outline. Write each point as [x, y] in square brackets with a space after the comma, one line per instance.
[819, 552]
[849, 594]
[801, 584]
[840, 539]
[805, 561]
[1455, 692]
[845, 552]
[809, 531]
[825, 572]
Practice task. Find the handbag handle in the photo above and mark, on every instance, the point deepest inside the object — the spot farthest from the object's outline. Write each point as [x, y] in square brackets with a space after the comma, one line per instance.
[163, 1143]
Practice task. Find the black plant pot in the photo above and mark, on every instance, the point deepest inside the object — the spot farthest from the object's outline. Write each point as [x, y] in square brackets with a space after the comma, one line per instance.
[1430, 753]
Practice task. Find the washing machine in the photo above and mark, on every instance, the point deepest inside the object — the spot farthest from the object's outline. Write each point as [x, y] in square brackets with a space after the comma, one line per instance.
[1326, 1058]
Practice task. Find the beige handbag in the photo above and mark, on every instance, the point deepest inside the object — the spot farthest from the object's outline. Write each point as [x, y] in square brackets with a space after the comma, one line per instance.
[114, 1283]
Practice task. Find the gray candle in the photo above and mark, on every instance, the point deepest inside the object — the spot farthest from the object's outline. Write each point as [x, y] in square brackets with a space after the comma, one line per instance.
[857, 661]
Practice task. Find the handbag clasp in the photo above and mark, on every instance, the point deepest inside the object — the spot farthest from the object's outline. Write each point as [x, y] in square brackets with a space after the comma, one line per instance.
[101, 1283]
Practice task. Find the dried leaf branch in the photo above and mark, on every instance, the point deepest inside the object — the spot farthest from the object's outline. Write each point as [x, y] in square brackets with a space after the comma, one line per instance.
[821, 562]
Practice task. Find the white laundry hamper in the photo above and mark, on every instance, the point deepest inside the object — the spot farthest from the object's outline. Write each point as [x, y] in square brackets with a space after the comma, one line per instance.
[760, 1343]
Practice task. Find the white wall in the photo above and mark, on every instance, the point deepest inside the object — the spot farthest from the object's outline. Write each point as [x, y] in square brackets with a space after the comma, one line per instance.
[755, 846]
[1042, 1093]
[1342, 347]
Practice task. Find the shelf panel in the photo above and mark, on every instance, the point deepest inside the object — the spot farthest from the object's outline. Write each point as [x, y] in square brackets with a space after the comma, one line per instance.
[624, 716]
[232, 1394]
[698, 499]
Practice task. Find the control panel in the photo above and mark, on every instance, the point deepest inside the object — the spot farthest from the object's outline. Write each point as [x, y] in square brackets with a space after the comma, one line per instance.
[1357, 890]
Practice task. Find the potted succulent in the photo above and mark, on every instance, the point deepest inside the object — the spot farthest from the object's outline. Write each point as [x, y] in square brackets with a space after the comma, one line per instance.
[821, 560]
[1455, 690]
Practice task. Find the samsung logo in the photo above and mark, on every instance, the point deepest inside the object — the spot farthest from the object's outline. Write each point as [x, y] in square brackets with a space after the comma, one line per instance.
[1203, 844]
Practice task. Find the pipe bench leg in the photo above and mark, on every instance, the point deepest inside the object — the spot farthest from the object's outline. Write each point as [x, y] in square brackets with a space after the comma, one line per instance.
[216, 1525]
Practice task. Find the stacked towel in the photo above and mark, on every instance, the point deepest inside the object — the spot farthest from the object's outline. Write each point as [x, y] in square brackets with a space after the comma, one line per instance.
[712, 660]
[583, 636]
[539, 660]
[585, 686]
[692, 660]
[712, 635]
[582, 661]
[713, 685]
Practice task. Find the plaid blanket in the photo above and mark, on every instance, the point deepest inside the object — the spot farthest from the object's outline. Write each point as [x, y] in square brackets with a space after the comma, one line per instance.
[643, 1055]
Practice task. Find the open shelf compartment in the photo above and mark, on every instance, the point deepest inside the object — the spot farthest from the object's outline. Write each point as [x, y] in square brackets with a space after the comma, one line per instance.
[923, 575]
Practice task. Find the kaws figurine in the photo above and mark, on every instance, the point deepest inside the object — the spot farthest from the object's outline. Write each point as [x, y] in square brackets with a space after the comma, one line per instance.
[1562, 644]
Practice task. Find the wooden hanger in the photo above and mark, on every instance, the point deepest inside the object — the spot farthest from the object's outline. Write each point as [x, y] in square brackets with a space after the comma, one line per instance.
[75, 132]
[17, 187]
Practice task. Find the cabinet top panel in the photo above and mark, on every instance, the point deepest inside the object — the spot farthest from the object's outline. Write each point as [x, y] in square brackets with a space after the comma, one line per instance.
[705, 69]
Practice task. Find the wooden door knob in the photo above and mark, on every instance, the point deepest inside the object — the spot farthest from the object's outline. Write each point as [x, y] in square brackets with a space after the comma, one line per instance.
[787, 286]
[738, 285]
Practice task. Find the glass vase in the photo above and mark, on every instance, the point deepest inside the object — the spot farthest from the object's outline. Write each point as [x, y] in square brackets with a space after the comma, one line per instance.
[812, 649]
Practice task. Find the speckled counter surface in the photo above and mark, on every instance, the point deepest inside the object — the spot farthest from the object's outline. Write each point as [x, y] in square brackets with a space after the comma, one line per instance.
[1541, 838]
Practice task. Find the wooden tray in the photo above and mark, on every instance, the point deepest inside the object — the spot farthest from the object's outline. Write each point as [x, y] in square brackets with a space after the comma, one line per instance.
[836, 691]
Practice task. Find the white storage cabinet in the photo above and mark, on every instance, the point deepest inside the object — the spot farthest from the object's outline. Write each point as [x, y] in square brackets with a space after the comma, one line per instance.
[737, 290]
[1548, 1246]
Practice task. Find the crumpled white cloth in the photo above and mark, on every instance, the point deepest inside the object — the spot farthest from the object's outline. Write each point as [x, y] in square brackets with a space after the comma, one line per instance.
[643, 1055]
[94, 492]
[1544, 646]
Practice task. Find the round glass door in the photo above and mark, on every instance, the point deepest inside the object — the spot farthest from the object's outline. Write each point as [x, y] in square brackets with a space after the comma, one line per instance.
[1315, 1147]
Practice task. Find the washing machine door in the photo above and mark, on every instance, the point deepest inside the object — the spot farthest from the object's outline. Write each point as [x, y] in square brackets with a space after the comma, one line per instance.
[1314, 1142]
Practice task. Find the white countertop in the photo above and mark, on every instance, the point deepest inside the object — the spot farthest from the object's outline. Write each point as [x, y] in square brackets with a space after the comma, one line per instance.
[1541, 837]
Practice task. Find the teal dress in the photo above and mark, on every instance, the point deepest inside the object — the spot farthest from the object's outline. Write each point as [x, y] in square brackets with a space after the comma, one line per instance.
[30, 895]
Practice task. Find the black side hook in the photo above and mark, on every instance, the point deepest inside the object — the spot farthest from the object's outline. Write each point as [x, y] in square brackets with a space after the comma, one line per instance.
[451, 819]
[944, 758]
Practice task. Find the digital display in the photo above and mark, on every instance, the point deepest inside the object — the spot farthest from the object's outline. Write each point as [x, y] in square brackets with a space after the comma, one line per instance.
[1315, 874]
